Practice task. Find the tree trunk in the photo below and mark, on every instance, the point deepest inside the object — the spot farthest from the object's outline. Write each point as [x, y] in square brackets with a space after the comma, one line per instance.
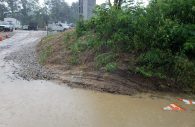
[109, 2]
[118, 3]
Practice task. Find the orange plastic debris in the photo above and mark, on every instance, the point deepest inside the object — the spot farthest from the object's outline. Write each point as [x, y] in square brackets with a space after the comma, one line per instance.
[189, 102]
[173, 107]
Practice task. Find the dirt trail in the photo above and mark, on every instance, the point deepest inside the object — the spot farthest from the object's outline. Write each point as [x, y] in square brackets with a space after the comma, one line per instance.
[49, 104]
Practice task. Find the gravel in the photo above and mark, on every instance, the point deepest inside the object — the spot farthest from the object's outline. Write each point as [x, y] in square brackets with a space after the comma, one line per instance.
[29, 68]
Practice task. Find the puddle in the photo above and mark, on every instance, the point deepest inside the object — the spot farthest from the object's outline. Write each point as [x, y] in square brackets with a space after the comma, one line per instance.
[46, 104]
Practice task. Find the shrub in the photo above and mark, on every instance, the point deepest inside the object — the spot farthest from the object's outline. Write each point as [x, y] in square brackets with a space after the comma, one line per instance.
[103, 59]
[184, 72]
[161, 35]
[45, 53]
[74, 59]
[78, 47]
[80, 28]
[111, 67]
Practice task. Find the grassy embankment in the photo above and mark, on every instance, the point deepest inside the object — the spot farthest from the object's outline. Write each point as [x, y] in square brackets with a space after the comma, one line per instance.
[66, 49]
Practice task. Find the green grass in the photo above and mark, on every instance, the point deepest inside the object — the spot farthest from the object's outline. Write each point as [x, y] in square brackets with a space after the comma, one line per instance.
[44, 54]
[111, 67]
[103, 59]
[74, 60]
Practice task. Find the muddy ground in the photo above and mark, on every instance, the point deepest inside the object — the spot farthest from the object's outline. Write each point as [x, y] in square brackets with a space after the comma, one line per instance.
[80, 76]
[29, 67]
[85, 76]
[74, 76]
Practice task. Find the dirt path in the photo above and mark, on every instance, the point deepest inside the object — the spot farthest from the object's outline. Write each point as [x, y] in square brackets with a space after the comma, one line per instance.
[47, 104]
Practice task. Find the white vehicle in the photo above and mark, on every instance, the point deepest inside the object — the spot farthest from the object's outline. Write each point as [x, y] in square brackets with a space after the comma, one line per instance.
[72, 25]
[16, 24]
[5, 26]
[55, 27]
[25, 27]
[65, 26]
[58, 27]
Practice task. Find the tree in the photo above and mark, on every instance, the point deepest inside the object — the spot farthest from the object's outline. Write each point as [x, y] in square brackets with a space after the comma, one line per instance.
[28, 10]
[13, 7]
[3, 10]
[118, 3]
[172, 9]
[57, 9]
[61, 11]
[74, 12]
[109, 2]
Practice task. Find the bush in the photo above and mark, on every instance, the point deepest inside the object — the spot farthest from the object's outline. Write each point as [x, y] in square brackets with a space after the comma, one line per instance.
[111, 67]
[80, 28]
[184, 72]
[104, 59]
[45, 53]
[74, 59]
[161, 35]
[78, 47]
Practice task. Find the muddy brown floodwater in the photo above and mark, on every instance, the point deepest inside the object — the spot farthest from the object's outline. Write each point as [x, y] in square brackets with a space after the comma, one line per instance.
[49, 104]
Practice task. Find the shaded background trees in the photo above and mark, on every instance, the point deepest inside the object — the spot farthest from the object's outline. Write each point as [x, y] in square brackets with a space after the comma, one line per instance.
[3, 9]
[30, 11]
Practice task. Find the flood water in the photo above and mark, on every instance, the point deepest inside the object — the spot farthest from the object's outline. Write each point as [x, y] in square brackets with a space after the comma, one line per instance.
[49, 104]
[46, 104]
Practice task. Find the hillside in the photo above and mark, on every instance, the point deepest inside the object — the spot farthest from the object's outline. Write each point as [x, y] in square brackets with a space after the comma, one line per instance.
[81, 70]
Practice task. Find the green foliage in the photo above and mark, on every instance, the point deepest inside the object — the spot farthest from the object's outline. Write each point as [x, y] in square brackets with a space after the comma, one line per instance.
[69, 37]
[45, 53]
[147, 72]
[184, 71]
[81, 43]
[111, 67]
[144, 72]
[181, 10]
[80, 28]
[114, 27]
[162, 35]
[189, 46]
[78, 47]
[153, 57]
[104, 59]
[74, 59]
